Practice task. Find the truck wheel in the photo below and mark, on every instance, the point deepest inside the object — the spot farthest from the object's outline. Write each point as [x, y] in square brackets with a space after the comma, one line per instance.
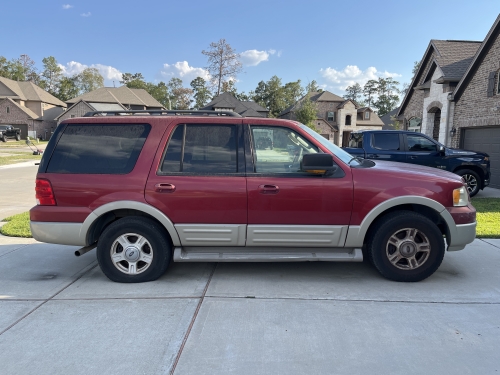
[3, 138]
[472, 180]
[18, 137]
[134, 250]
[406, 246]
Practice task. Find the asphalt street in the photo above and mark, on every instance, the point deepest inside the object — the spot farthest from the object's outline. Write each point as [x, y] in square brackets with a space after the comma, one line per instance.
[60, 315]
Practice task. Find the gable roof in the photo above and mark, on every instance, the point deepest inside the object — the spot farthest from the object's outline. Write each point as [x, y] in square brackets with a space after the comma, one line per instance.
[28, 91]
[122, 95]
[451, 56]
[341, 105]
[244, 108]
[478, 59]
[322, 96]
[95, 107]
[26, 110]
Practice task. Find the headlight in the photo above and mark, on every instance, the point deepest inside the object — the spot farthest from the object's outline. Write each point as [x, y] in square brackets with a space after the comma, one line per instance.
[486, 158]
[460, 197]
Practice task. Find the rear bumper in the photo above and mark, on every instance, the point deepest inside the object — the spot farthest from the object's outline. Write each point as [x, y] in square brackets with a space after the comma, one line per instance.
[60, 233]
[464, 235]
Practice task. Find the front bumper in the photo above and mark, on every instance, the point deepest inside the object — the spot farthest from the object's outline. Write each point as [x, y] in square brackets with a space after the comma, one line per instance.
[464, 235]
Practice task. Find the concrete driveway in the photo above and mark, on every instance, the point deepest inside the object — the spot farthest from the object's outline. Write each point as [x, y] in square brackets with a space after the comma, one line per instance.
[60, 315]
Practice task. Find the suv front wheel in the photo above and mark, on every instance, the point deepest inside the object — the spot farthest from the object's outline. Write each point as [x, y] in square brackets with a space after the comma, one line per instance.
[406, 246]
[133, 250]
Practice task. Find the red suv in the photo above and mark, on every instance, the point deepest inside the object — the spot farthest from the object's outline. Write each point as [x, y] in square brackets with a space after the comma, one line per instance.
[148, 188]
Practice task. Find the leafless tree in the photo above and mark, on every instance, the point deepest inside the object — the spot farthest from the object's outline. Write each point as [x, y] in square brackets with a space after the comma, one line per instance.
[223, 62]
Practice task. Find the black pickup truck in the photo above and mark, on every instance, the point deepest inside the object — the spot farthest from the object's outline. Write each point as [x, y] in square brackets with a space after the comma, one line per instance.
[8, 131]
[417, 148]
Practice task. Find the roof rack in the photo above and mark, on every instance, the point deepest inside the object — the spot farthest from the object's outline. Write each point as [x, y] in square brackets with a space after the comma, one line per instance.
[158, 112]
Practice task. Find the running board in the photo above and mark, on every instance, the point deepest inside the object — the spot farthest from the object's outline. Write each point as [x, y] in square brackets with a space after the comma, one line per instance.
[263, 254]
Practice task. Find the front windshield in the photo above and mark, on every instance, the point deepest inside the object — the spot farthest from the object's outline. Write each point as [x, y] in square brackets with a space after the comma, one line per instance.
[334, 149]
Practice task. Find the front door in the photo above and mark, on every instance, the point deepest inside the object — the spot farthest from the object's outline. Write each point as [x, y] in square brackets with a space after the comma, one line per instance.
[423, 151]
[287, 207]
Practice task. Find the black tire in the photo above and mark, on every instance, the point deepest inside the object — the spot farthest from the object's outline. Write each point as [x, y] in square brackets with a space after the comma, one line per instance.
[4, 138]
[18, 137]
[423, 244]
[472, 180]
[151, 258]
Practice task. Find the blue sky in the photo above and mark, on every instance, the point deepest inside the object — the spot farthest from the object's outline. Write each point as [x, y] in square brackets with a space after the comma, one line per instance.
[335, 43]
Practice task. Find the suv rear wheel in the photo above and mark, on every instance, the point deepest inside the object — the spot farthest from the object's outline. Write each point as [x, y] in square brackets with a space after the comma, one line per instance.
[406, 246]
[472, 180]
[133, 250]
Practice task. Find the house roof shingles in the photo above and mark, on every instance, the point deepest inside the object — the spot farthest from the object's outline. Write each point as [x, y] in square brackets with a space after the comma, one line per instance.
[121, 95]
[244, 108]
[28, 91]
[454, 56]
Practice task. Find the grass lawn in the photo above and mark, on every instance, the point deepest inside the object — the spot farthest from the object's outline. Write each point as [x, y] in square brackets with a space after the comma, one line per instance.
[488, 217]
[17, 226]
[22, 143]
[488, 220]
[18, 157]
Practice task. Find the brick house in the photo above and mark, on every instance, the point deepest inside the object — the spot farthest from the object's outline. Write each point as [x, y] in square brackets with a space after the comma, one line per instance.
[227, 102]
[456, 95]
[28, 107]
[110, 99]
[337, 117]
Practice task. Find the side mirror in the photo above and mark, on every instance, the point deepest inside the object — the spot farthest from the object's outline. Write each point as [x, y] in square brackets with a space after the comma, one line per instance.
[441, 149]
[318, 163]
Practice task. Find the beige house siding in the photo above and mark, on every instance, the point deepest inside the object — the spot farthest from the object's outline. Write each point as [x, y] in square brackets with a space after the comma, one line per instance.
[35, 107]
[474, 108]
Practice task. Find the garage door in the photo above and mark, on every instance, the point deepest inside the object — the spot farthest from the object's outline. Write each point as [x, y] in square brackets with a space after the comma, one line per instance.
[24, 130]
[486, 140]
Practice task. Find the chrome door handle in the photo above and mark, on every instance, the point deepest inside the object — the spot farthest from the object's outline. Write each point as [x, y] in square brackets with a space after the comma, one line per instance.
[269, 189]
[164, 188]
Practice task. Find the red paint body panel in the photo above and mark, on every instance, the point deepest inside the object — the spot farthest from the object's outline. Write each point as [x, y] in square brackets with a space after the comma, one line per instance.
[463, 215]
[300, 201]
[387, 180]
[59, 214]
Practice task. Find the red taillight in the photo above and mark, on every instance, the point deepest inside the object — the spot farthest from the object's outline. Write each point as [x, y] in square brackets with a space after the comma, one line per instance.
[44, 193]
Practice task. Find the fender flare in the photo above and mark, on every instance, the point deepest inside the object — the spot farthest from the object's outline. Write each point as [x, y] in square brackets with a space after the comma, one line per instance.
[131, 205]
[356, 233]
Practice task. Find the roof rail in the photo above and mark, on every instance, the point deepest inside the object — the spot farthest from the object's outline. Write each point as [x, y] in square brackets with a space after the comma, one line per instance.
[159, 112]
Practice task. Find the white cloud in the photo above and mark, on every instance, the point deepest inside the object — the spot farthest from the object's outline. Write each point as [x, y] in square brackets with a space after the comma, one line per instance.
[253, 57]
[182, 70]
[109, 73]
[67, 6]
[88, 14]
[340, 79]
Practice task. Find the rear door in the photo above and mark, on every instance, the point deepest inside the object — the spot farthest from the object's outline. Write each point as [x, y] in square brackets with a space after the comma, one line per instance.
[386, 146]
[198, 182]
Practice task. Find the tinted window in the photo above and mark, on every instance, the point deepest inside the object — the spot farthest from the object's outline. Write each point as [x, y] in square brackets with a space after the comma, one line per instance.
[279, 150]
[98, 149]
[208, 149]
[419, 143]
[386, 141]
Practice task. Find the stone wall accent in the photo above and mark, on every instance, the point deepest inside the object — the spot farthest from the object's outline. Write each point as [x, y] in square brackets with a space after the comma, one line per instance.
[474, 108]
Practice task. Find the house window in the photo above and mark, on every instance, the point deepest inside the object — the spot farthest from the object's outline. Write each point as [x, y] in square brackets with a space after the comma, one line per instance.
[498, 82]
[348, 120]
[367, 115]
[8, 109]
[330, 116]
[72, 116]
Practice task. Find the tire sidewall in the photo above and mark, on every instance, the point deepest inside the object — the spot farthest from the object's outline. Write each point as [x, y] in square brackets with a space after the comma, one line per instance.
[476, 176]
[155, 235]
[391, 226]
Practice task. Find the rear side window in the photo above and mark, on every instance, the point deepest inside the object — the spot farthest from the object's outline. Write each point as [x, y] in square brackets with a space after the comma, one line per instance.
[386, 141]
[98, 149]
[201, 149]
